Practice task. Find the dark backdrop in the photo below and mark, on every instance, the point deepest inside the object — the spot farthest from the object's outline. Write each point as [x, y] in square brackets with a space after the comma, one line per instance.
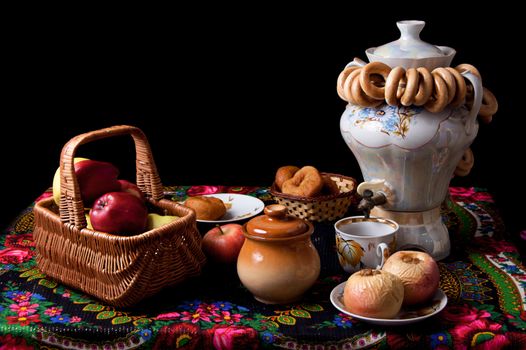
[226, 99]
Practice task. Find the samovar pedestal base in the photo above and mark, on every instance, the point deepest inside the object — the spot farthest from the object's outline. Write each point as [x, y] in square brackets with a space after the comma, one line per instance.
[422, 230]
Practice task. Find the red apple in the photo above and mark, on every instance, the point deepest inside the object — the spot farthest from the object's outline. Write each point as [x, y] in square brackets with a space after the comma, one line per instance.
[127, 186]
[418, 271]
[223, 243]
[119, 213]
[95, 179]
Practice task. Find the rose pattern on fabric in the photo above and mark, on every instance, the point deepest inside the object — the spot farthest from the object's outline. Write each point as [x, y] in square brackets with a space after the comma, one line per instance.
[204, 190]
[479, 334]
[471, 194]
[23, 240]
[462, 313]
[486, 315]
[235, 337]
[15, 255]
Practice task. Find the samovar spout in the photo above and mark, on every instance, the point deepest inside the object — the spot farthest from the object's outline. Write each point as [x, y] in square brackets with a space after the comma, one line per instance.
[369, 200]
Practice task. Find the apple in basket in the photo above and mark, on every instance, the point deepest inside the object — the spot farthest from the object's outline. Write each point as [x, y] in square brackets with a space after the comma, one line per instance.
[127, 186]
[119, 213]
[95, 178]
[223, 243]
[56, 180]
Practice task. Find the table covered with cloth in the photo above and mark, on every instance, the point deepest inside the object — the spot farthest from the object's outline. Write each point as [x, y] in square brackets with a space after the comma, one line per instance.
[483, 278]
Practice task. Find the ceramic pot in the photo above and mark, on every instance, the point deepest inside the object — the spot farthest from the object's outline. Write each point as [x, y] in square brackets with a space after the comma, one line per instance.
[278, 262]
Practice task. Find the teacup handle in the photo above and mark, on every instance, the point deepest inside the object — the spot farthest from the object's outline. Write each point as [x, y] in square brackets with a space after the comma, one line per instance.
[382, 251]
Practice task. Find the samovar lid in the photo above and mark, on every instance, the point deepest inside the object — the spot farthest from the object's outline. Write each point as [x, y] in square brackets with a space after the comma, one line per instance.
[410, 51]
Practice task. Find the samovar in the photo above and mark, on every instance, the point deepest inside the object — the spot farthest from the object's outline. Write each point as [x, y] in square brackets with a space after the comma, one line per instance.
[410, 120]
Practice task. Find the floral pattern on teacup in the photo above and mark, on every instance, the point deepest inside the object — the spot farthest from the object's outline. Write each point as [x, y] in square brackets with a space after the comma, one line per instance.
[350, 252]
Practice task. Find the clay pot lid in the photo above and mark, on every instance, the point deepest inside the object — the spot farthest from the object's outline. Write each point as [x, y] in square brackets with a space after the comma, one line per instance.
[276, 224]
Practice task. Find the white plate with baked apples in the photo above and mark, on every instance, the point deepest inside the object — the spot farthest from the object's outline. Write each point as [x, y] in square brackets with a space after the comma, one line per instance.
[404, 316]
[234, 207]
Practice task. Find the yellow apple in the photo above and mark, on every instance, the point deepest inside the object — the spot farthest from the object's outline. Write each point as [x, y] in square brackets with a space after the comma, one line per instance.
[56, 181]
[156, 220]
[88, 222]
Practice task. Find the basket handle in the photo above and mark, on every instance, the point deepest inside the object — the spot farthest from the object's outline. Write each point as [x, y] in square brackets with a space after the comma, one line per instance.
[148, 181]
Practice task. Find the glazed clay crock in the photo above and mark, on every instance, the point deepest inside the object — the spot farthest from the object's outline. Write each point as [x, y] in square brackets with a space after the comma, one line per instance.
[278, 262]
[408, 153]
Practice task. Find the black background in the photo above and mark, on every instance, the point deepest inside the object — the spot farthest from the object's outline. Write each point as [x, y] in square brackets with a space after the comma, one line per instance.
[226, 98]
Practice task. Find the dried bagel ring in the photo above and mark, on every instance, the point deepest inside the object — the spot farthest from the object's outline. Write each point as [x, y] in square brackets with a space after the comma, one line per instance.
[307, 182]
[341, 81]
[438, 100]
[371, 90]
[425, 86]
[392, 84]
[449, 79]
[401, 88]
[460, 93]
[347, 85]
[284, 173]
[466, 163]
[489, 106]
[411, 87]
[360, 96]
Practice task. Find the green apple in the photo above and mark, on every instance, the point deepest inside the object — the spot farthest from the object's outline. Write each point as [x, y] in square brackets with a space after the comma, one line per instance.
[156, 220]
[56, 181]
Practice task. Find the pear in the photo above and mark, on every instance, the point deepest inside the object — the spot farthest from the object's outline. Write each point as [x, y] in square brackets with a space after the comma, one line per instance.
[156, 220]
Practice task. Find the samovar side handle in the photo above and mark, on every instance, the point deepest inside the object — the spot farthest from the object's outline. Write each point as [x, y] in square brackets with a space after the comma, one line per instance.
[356, 62]
[476, 82]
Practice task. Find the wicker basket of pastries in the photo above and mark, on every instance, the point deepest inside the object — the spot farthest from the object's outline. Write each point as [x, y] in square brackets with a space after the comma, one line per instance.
[118, 269]
[313, 195]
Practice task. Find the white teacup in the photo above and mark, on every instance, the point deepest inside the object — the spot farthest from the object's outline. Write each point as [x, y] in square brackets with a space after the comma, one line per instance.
[364, 242]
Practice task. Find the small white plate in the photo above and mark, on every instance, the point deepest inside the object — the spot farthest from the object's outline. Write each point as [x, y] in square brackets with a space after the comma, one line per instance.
[242, 207]
[405, 316]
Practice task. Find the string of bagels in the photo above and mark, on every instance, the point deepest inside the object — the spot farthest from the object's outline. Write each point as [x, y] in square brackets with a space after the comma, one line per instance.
[375, 83]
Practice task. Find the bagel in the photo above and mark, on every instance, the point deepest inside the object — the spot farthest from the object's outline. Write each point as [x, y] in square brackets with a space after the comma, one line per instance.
[367, 71]
[306, 182]
[466, 163]
[284, 173]
[375, 83]
[206, 208]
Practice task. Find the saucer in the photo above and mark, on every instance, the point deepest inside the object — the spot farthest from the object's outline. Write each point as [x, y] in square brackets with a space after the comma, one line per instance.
[241, 207]
[405, 316]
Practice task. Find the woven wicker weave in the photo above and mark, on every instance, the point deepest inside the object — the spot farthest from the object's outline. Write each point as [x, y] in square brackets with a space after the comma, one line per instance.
[116, 269]
[321, 208]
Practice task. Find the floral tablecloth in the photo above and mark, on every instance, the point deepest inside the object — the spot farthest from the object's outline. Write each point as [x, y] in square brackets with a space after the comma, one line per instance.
[483, 279]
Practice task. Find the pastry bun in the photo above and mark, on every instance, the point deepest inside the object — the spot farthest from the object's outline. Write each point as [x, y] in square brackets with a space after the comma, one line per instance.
[206, 208]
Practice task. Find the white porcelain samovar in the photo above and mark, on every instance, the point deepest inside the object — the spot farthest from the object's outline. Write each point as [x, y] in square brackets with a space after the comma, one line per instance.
[409, 125]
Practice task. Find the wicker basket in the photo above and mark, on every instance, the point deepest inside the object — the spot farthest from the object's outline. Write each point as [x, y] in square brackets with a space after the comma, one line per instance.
[321, 208]
[116, 269]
